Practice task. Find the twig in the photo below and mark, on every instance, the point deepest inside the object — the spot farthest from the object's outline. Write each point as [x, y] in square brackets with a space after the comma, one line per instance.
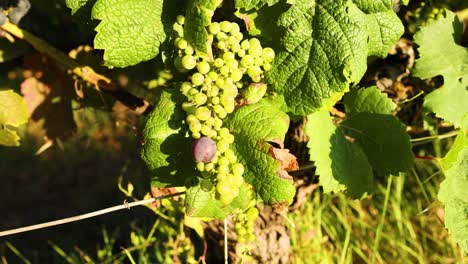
[125, 205]
[425, 140]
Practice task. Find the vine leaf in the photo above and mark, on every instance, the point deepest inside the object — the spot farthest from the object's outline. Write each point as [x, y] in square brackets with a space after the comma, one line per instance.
[200, 203]
[253, 127]
[369, 140]
[166, 150]
[341, 164]
[76, 5]
[318, 55]
[130, 31]
[369, 100]
[13, 113]
[374, 6]
[197, 17]
[250, 4]
[383, 29]
[461, 142]
[453, 195]
[445, 56]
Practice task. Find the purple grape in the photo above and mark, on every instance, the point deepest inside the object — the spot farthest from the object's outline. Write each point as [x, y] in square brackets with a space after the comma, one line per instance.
[204, 149]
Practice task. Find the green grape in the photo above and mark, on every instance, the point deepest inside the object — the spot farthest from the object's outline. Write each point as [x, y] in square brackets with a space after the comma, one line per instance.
[241, 232]
[222, 115]
[188, 107]
[236, 74]
[188, 62]
[218, 62]
[214, 91]
[180, 19]
[255, 50]
[258, 61]
[214, 28]
[215, 101]
[229, 154]
[200, 166]
[247, 61]
[221, 36]
[231, 90]
[218, 108]
[189, 50]
[219, 82]
[231, 40]
[252, 214]
[255, 72]
[193, 92]
[205, 130]
[195, 127]
[266, 66]
[224, 133]
[235, 47]
[196, 135]
[209, 166]
[268, 54]
[223, 169]
[210, 121]
[203, 67]
[237, 169]
[221, 45]
[226, 26]
[200, 98]
[191, 118]
[181, 44]
[245, 44]
[197, 79]
[241, 53]
[239, 36]
[224, 70]
[202, 113]
[218, 123]
[227, 56]
[229, 108]
[222, 146]
[234, 28]
[206, 185]
[213, 75]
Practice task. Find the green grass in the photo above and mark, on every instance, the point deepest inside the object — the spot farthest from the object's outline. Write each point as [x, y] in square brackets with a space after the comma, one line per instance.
[331, 228]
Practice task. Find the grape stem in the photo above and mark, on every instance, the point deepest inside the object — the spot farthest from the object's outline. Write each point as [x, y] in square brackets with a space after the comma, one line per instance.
[125, 205]
[85, 72]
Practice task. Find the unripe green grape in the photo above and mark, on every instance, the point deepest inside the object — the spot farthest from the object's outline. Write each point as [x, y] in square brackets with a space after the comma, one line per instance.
[222, 146]
[196, 135]
[239, 85]
[209, 166]
[214, 91]
[222, 115]
[208, 80]
[210, 121]
[230, 138]
[195, 127]
[205, 130]
[227, 56]
[255, 72]
[236, 75]
[226, 26]
[203, 67]
[213, 75]
[215, 160]
[229, 154]
[202, 113]
[250, 237]
[200, 98]
[185, 87]
[235, 47]
[258, 61]
[241, 53]
[224, 132]
[189, 50]
[239, 36]
[218, 108]
[181, 44]
[226, 199]
[197, 79]
[226, 99]
[188, 62]
[266, 66]
[180, 19]
[223, 169]
[268, 54]
[234, 28]
[221, 36]
[213, 134]
[206, 185]
[218, 62]
[229, 108]
[231, 40]
[221, 45]
[191, 118]
[252, 214]
[218, 123]
[220, 82]
[215, 101]
[189, 108]
[214, 28]
[241, 232]
[200, 166]
[224, 70]
[237, 169]
[205, 87]
[193, 92]
[245, 44]
[232, 64]
[247, 61]
[255, 42]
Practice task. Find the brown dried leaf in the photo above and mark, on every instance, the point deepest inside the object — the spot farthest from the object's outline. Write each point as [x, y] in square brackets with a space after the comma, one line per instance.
[288, 162]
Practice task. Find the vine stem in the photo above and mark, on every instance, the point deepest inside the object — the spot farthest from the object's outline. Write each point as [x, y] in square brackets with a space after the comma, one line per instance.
[84, 72]
[125, 205]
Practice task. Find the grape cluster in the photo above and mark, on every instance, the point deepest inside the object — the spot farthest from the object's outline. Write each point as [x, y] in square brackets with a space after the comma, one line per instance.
[424, 15]
[216, 81]
[244, 225]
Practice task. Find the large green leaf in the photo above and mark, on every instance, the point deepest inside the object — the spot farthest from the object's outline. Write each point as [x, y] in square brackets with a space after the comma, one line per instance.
[254, 126]
[318, 55]
[461, 142]
[75, 5]
[383, 29]
[368, 100]
[250, 4]
[374, 6]
[200, 203]
[443, 55]
[130, 31]
[166, 150]
[384, 140]
[454, 195]
[197, 17]
[341, 164]
[13, 113]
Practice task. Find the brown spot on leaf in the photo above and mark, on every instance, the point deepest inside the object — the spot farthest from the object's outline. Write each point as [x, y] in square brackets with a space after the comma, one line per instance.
[287, 160]
[247, 21]
[156, 192]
